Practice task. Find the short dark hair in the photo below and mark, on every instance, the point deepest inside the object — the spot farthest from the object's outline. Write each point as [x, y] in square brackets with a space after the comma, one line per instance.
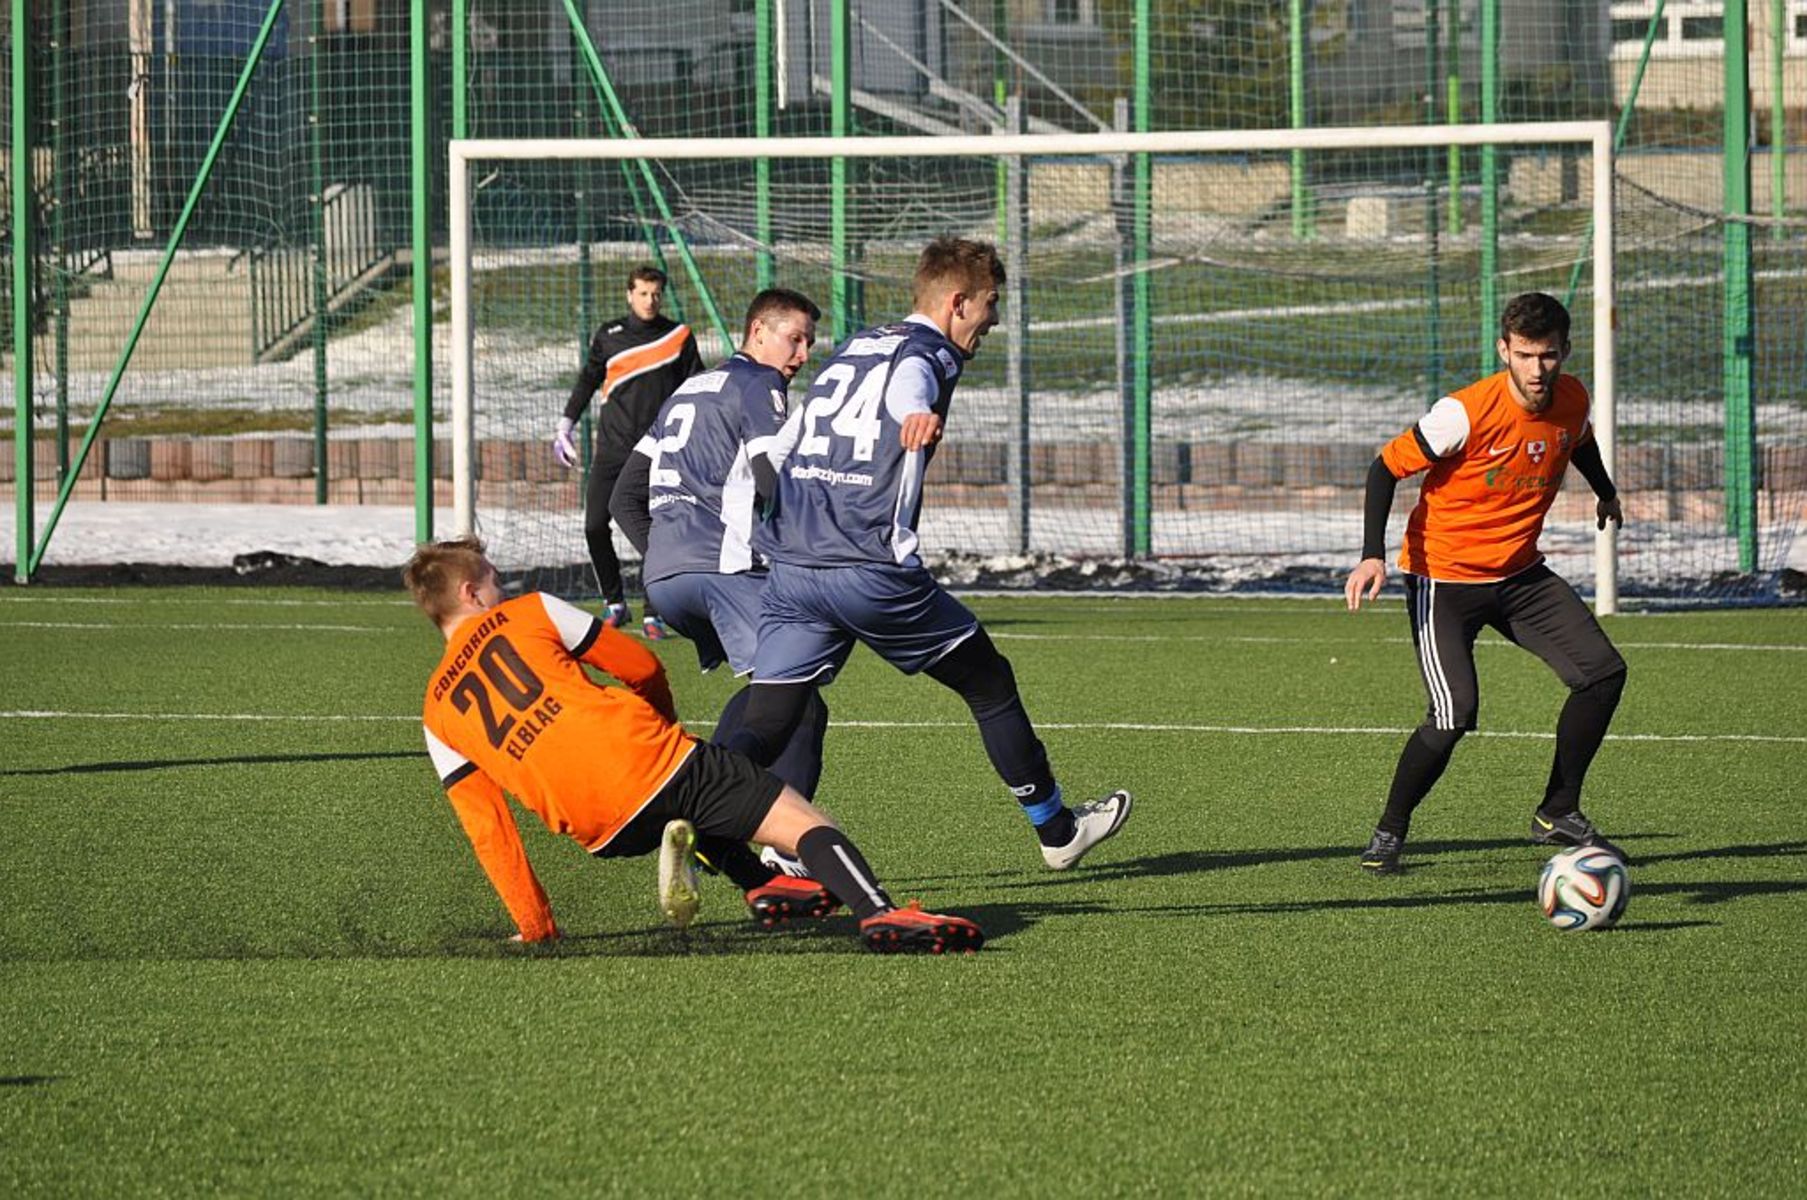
[1534, 316]
[648, 273]
[950, 263]
[774, 302]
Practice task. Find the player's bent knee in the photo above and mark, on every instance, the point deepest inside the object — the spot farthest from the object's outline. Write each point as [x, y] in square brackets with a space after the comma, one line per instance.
[1442, 740]
[1606, 689]
[788, 820]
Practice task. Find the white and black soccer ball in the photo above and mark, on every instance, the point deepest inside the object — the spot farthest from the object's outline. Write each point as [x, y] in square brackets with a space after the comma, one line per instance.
[1583, 887]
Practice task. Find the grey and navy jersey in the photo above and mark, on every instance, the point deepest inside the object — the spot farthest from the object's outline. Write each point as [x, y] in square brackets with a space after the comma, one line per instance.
[700, 490]
[847, 490]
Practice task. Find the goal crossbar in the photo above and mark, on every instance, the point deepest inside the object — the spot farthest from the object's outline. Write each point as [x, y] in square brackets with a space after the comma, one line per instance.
[1596, 135]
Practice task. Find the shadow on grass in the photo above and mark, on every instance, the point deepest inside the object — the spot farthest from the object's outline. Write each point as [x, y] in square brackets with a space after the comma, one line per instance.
[26, 1080]
[160, 764]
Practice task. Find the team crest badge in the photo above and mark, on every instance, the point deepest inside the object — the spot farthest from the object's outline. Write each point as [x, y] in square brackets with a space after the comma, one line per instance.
[778, 402]
[1536, 450]
[949, 367]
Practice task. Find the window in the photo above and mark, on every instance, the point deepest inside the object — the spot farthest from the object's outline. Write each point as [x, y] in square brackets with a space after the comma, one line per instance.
[1688, 29]
[1411, 22]
[1070, 13]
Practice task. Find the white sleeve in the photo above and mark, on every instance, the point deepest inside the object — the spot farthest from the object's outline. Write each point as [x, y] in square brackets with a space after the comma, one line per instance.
[647, 446]
[1445, 427]
[447, 762]
[577, 629]
[780, 445]
[911, 389]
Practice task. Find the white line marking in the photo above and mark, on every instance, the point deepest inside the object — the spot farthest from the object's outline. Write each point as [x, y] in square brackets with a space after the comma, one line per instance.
[113, 627]
[1252, 639]
[152, 595]
[1069, 726]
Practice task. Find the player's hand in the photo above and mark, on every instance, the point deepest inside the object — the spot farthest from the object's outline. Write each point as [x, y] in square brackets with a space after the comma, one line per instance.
[919, 430]
[1609, 510]
[1365, 582]
[564, 447]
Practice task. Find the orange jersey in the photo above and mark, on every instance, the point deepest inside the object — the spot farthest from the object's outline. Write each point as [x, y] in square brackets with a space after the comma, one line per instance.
[509, 707]
[1494, 470]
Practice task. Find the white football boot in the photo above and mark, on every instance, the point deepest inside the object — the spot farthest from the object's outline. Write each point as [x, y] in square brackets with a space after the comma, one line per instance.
[1092, 823]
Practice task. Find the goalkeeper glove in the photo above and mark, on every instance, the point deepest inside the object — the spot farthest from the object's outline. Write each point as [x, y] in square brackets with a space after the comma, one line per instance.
[563, 447]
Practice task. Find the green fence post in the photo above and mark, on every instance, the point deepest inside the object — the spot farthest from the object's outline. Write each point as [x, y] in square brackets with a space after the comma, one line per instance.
[22, 254]
[766, 270]
[839, 124]
[1490, 187]
[59, 252]
[1295, 69]
[1142, 334]
[1778, 117]
[1739, 324]
[1453, 114]
[1433, 284]
[1618, 141]
[420, 113]
[317, 167]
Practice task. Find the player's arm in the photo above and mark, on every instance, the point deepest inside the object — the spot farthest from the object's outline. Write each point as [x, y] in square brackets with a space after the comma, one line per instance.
[1440, 433]
[1592, 466]
[590, 641]
[630, 504]
[910, 396]
[589, 378]
[764, 419]
[690, 359]
[483, 812]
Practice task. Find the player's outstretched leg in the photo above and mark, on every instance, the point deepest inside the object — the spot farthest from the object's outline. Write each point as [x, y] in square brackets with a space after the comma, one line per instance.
[984, 679]
[774, 897]
[1580, 729]
[796, 826]
[1421, 763]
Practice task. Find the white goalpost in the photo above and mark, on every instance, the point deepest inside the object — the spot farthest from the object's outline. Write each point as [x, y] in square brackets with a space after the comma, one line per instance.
[1262, 385]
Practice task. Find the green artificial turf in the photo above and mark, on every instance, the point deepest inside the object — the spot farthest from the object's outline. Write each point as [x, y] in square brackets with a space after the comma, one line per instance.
[256, 956]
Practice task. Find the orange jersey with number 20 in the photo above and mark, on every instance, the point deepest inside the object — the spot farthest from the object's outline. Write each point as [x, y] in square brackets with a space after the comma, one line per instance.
[509, 707]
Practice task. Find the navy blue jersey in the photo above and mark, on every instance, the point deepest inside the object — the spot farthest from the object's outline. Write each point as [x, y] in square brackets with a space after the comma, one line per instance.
[700, 490]
[847, 490]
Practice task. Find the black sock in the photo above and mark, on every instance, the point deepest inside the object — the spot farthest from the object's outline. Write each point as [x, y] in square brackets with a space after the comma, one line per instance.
[1579, 731]
[734, 860]
[1057, 830]
[836, 864]
[1421, 764]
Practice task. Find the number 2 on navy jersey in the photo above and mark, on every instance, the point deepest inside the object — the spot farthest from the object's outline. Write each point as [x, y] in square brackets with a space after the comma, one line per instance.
[855, 417]
[682, 416]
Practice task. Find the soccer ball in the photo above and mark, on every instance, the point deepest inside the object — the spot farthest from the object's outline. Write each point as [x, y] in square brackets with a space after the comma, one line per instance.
[1583, 888]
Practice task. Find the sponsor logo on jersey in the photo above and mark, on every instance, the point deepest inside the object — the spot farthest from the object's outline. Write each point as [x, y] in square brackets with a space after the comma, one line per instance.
[778, 402]
[830, 476]
[873, 347]
[949, 367]
[1562, 441]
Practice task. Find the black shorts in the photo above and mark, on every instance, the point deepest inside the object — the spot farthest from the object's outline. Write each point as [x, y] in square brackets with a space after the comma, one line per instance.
[1535, 609]
[716, 790]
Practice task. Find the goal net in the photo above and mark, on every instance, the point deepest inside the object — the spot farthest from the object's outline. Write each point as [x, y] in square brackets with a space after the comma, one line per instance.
[1205, 336]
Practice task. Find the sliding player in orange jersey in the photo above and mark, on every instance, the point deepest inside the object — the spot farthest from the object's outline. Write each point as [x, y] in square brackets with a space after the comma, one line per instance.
[1495, 453]
[509, 706]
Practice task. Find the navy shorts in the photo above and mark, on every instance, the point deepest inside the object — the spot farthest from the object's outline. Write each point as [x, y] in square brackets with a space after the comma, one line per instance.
[812, 616]
[719, 613]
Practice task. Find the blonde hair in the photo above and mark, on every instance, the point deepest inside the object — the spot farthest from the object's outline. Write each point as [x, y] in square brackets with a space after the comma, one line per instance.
[437, 569]
[956, 264]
